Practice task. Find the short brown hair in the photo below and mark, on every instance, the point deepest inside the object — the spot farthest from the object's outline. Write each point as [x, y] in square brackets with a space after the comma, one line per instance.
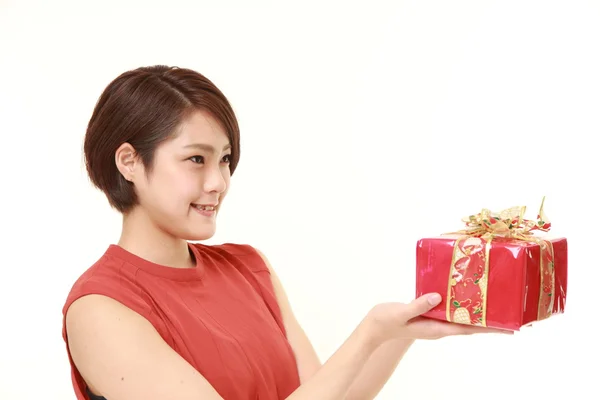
[144, 107]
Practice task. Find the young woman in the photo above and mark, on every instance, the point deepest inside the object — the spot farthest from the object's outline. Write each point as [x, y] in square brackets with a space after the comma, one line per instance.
[160, 316]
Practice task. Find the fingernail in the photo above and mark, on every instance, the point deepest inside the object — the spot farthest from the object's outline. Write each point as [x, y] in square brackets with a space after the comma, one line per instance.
[434, 299]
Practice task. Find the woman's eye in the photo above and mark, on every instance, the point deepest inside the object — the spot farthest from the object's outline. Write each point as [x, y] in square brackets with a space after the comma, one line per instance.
[227, 158]
[197, 159]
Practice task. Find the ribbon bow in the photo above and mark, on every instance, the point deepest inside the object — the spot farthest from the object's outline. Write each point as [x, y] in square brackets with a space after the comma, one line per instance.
[507, 223]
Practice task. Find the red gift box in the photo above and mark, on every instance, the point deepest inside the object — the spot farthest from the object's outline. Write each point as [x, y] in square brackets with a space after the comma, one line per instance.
[497, 272]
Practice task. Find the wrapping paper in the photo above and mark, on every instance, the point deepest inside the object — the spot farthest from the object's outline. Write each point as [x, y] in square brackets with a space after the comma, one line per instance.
[497, 272]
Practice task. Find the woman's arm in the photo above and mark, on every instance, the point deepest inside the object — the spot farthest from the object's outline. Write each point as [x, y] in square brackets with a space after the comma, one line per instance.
[362, 366]
[378, 369]
[366, 369]
[333, 380]
[122, 357]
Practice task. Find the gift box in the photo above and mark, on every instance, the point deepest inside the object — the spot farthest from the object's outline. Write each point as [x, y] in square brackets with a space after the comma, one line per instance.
[500, 271]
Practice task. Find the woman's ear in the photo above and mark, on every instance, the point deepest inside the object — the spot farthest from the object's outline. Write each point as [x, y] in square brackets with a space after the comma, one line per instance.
[127, 161]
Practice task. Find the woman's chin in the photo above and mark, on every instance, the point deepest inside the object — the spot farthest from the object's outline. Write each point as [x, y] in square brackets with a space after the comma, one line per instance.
[201, 233]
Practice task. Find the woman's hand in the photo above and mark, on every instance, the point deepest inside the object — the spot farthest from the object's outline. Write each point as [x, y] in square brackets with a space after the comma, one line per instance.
[397, 320]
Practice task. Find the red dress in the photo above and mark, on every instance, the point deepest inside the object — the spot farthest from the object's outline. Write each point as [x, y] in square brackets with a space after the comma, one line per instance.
[222, 316]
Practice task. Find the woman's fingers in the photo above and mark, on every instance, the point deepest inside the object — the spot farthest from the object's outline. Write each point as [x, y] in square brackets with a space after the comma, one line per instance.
[428, 328]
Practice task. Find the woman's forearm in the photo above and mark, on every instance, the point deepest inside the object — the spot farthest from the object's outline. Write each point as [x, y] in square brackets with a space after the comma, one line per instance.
[333, 380]
[378, 369]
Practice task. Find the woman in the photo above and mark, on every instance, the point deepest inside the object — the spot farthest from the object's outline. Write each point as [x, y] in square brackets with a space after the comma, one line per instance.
[160, 317]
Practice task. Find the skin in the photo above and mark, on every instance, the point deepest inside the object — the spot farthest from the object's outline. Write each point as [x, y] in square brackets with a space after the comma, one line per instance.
[120, 354]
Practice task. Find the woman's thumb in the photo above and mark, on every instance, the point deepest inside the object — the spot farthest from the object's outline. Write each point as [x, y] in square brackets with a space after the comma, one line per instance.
[424, 303]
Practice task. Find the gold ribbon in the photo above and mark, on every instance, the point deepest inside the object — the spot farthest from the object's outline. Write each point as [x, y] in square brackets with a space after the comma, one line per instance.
[467, 282]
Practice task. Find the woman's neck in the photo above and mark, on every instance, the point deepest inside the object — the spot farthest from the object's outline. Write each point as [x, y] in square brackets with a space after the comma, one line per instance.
[141, 236]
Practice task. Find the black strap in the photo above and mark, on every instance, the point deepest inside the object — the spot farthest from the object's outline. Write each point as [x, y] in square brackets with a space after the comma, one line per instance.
[93, 396]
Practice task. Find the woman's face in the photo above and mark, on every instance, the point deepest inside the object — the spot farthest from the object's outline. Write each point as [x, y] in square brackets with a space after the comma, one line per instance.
[183, 191]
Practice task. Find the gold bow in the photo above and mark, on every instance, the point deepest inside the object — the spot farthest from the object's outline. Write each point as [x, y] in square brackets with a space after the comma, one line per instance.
[506, 223]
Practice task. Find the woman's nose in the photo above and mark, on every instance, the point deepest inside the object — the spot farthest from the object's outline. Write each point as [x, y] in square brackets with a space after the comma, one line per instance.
[215, 181]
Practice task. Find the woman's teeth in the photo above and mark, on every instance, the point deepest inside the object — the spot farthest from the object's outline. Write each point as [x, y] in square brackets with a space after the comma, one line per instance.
[201, 207]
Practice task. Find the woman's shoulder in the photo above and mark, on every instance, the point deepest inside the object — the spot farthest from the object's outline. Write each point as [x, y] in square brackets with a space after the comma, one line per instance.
[101, 269]
[111, 277]
[238, 254]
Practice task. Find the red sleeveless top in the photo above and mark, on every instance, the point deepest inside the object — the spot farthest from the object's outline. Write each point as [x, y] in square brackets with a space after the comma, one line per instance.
[222, 316]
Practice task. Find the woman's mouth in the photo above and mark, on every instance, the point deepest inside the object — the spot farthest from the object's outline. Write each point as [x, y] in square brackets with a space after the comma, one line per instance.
[205, 210]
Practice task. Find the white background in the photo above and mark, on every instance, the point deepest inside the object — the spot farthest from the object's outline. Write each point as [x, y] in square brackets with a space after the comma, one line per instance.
[365, 126]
